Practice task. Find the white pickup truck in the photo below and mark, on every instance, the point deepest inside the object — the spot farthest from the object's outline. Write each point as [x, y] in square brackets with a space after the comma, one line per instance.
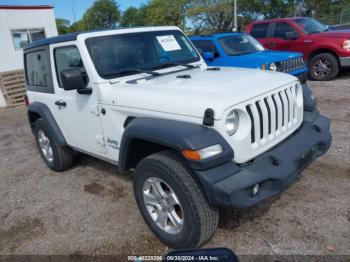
[197, 137]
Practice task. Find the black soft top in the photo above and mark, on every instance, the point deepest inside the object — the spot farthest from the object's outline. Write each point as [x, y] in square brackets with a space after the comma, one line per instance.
[53, 40]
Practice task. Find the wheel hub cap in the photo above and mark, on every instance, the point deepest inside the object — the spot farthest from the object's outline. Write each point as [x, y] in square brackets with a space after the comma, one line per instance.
[163, 205]
[45, 146]
[322, 68]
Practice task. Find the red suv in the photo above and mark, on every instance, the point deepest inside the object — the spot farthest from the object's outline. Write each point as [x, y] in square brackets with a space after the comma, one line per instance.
[325, 51]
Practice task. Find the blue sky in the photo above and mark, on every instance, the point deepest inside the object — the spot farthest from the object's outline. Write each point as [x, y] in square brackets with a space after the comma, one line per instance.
[64, 8]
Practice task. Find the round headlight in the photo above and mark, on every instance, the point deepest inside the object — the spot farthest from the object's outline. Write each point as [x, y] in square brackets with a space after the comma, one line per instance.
[232, 122]
[273, 67]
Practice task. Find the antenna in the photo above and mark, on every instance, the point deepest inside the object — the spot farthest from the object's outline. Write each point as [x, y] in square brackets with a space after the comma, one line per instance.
[73, 11]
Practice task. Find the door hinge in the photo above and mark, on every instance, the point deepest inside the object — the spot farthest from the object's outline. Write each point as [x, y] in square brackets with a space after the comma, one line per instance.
[101, 140]
[95, 110]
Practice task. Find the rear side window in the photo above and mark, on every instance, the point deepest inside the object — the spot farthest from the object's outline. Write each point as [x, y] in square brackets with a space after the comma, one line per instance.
[206, 46]
[260, 30]
[38, 72]
[282, 29]
[68, 58]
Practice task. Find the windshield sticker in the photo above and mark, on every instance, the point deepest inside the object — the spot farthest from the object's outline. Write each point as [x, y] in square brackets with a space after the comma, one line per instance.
[168, 43]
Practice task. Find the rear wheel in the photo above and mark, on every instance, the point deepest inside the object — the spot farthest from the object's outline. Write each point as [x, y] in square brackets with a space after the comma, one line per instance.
[171, 202]
[323, 67]
[56, 157]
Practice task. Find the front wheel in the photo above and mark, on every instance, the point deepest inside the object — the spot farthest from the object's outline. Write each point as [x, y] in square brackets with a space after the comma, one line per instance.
[323, 67]
[171, 202]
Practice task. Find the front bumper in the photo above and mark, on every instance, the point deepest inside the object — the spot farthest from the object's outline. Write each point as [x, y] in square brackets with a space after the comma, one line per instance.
[274, 171]
[344, 61]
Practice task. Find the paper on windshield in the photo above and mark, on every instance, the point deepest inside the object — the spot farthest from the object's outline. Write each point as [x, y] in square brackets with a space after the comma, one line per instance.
[168, 43]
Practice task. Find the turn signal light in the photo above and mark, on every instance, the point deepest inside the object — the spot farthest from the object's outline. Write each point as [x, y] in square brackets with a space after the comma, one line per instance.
[191, 155]
[263, 67]
[203, 153]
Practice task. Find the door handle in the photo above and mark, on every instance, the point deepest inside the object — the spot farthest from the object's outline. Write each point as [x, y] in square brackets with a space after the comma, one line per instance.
[61, 103]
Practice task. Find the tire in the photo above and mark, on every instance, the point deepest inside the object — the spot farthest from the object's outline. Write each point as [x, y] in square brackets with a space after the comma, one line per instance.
[62, 157]
[199, 218]
[323, 67]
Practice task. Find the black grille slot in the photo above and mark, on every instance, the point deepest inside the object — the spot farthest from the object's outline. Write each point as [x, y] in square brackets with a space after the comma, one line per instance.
[288, 106]
[279, 94]
[275, 103]
[269, 114]
[252, 131]
[260, 120]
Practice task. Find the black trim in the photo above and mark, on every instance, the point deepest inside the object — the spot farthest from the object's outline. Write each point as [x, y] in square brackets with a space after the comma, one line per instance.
[44, 112]
[177, 136]
[230, 184]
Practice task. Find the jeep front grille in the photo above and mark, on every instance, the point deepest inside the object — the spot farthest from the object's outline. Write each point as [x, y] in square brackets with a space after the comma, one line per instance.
[273, 115]
[291, 65]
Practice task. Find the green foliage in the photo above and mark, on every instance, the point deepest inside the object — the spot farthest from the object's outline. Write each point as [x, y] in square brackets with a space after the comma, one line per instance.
[104, 14]
[132, 17]
[62, 26]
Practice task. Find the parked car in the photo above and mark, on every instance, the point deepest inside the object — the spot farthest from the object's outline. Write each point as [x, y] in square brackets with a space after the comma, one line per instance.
[325, 50]
[243, 50]
[197, 137]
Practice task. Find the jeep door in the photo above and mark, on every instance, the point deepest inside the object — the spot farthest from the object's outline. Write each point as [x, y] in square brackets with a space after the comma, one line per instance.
[79, 114]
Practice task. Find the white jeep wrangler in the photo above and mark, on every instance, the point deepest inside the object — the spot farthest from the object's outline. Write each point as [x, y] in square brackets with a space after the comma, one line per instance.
[197, 137]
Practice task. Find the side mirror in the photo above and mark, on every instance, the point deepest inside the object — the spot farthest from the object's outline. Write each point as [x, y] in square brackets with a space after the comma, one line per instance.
[291, 35]
[72, 79]
[208, 55]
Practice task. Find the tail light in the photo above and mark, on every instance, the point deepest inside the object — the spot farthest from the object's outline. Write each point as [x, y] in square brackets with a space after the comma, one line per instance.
[26, 100]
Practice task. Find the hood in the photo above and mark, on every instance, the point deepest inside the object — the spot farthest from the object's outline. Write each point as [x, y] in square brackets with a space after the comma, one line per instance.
[335, 33]
[218, 90]
[255, 60]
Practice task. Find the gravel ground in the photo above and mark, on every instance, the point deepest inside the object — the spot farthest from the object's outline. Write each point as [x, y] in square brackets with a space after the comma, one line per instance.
[90, 209]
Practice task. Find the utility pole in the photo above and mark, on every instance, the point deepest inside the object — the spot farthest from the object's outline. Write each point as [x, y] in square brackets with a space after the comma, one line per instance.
[235, 14]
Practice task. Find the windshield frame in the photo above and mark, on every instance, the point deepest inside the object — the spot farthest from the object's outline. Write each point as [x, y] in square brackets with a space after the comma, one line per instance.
[325, 28]
[164, 32]
[251, 40]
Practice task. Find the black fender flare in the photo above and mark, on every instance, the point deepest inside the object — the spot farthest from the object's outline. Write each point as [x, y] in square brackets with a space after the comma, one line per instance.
[44, 112]
[175, 135]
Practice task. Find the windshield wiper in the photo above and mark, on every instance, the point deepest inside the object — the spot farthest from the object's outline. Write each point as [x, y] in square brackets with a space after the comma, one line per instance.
[130, 71]
[170, 64]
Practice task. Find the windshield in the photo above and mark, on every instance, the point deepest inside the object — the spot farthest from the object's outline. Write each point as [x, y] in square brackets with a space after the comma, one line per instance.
[311, 26]
[126, 54]
[240, 45]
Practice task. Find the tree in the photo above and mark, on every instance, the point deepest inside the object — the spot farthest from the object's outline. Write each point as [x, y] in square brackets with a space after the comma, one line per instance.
[132, 17]
[62, 26]
[165, 12]
[212, 15]
[104, 14]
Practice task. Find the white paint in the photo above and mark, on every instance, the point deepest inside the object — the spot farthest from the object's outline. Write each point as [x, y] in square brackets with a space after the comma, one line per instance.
[165, 97]
[10, 58]
[14, 19]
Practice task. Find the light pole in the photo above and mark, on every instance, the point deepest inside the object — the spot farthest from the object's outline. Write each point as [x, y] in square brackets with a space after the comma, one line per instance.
[235, 14]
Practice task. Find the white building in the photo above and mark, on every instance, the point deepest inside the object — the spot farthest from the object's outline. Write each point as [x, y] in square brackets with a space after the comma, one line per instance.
[20, 25]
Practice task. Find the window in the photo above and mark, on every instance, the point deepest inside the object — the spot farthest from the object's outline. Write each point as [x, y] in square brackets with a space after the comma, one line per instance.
[113, 54]
[206, 46]
[240, 45]
[68, 58]
[282, 30]
[260, 30]
[38, 68]
[25, 36]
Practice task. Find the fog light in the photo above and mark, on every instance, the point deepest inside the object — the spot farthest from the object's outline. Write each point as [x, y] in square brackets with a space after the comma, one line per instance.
[254, 190]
